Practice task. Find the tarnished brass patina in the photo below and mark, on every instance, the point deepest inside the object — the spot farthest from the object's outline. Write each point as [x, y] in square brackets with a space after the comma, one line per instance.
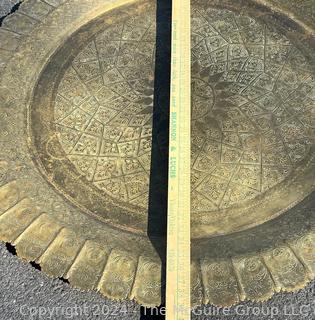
[76, 111]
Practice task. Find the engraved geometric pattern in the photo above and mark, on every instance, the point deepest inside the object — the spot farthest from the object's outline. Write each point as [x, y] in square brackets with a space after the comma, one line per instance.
[106, 130]
[253, 100]
[65, 61]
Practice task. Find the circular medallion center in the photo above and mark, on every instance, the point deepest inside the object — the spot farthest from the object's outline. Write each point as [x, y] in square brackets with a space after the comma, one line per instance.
[253, 107]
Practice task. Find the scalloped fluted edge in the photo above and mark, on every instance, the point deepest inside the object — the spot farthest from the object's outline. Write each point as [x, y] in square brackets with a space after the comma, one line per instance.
[118, 274]
[62, 253]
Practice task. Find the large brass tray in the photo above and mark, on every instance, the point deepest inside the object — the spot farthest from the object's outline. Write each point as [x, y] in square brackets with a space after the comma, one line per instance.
[84, 89]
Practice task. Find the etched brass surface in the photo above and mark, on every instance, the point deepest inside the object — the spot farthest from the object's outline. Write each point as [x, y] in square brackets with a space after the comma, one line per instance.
[77, 92]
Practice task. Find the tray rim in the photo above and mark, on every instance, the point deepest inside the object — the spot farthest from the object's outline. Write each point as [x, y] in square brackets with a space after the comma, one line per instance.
[295, 258]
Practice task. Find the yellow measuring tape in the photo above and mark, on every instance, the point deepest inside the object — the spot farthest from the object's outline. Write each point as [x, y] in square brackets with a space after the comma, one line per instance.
[178, 233]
